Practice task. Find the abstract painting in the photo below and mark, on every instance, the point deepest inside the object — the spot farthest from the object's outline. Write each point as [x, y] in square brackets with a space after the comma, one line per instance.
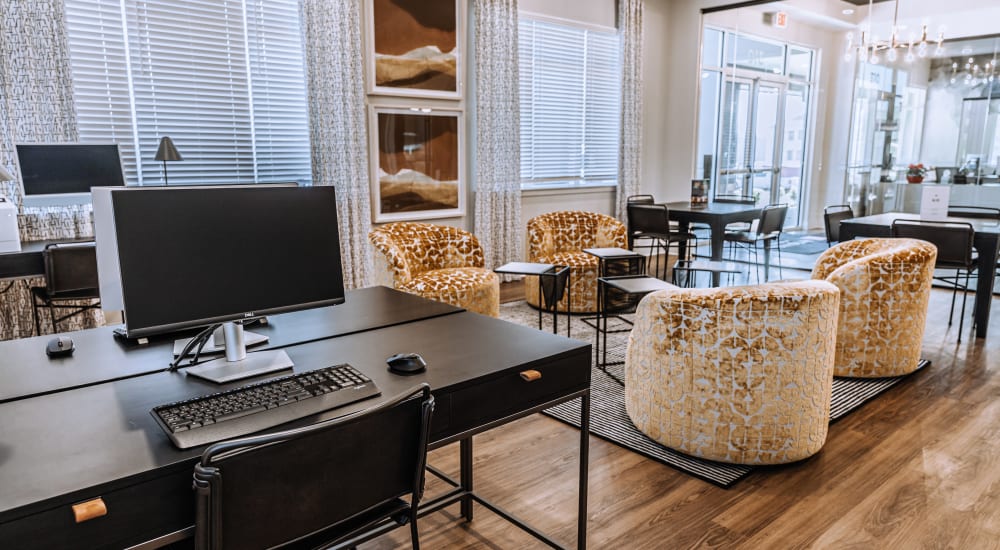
[417, 166]
[414, 48]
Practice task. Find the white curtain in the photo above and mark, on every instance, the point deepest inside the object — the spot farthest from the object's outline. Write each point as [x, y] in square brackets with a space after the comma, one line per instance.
[630, 28]
[337, 128]
[498, 130]
[36, 105]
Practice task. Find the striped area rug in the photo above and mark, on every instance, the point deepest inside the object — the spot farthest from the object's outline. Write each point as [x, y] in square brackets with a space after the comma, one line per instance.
[608, 419]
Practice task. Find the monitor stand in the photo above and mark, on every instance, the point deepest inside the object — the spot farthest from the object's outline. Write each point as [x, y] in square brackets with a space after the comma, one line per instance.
[237, 364]
[217, 343]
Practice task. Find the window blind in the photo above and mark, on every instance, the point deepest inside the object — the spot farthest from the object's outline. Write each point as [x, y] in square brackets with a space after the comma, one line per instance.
[570, 103]
[222, 78]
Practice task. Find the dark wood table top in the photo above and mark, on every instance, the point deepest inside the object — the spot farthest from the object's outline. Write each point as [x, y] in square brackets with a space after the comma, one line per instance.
[980, 225]
[26, 371]
[712, 208]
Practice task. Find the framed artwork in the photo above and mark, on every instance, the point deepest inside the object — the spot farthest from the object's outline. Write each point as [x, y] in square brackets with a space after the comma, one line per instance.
[414, 47]
[416, 163]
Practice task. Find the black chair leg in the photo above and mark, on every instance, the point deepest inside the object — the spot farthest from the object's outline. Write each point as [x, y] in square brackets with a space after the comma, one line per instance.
[34, 307]
[414, 535]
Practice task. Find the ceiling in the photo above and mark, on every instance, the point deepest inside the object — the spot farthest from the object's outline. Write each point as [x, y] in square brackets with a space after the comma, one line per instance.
[864, 2]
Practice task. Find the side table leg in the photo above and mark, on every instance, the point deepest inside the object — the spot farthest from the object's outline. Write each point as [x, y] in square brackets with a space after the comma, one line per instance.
[465, 467]
[581, 518]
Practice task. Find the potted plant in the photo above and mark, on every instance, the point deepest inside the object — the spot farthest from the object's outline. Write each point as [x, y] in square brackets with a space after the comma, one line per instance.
[915, 173]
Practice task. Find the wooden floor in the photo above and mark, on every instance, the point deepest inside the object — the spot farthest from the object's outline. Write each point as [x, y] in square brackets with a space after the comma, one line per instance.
[919, 467]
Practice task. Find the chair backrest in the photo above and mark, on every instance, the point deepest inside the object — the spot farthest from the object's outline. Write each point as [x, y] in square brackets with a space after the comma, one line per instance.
[954, 240]
[978, 212]
[640, 199]
[71, 268]
[262, 491]
[572, 231]
[832, 216]
[772, 220]
[738, 199]
[648, 220]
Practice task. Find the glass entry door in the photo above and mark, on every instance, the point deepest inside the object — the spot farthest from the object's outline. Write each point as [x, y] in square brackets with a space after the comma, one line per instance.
[749, 144]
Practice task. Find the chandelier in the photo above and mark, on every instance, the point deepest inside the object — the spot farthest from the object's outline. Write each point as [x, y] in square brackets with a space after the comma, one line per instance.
[870, 48]
[974, 74]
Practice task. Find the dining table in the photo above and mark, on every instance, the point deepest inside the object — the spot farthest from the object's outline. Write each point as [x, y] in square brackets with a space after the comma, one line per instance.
[986, 242]
[716, 215]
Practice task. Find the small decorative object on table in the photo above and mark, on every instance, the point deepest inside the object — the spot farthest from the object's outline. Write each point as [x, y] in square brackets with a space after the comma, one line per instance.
[699, 192]
[915, 173]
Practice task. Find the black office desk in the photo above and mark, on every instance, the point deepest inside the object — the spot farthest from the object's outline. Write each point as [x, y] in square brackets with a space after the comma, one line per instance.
[100, 440]
[986, 240]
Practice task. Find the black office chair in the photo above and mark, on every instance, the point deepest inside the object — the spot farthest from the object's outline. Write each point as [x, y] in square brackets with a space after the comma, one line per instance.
[832, 216]
[652, 221]
[769, 227]
[320, 485]
[954, 241]
[70, 282]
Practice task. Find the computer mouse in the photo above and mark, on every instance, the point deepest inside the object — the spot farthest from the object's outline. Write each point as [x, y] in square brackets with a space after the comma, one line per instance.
[406, 363]
[59, 347]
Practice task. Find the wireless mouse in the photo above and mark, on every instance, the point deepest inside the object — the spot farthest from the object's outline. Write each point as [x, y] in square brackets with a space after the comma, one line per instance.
[59, 347]
[406, 363]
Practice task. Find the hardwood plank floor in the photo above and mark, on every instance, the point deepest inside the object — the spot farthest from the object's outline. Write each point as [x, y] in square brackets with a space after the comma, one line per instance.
[918, 467]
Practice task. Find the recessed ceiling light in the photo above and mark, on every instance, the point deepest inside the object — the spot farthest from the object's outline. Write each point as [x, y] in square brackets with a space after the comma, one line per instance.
[848, 11]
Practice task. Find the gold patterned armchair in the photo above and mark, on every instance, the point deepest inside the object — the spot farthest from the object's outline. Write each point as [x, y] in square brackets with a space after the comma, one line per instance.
[885, 285]
[438, 262]
[736, 374]
[559, 238]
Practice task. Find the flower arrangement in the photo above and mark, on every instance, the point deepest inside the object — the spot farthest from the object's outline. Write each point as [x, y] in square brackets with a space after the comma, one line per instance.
[917, 170]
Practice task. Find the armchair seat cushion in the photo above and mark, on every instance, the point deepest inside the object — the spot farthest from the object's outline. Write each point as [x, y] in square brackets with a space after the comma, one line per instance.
[474, 288]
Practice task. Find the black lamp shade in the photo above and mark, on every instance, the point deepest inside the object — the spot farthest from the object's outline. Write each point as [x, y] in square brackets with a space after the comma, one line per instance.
[167, 151]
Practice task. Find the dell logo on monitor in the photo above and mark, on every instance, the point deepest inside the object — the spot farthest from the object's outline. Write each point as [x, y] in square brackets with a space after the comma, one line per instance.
[248, 315]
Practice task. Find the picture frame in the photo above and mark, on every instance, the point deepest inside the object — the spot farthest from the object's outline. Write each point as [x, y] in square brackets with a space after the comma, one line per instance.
[406, 48]
[416, 164]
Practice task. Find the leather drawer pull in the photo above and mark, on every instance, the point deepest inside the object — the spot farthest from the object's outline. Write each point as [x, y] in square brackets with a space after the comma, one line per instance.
[89, 510]
[531, 375]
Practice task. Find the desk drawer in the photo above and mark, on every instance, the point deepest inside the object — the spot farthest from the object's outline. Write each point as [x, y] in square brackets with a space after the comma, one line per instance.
[134, 514]
[511, 392]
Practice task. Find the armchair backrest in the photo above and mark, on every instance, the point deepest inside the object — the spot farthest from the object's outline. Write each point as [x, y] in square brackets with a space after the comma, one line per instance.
[885, 287]
[413, 248]
[572, 231]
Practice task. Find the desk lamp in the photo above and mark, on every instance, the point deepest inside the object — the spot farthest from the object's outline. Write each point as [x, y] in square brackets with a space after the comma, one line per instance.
[166, 152]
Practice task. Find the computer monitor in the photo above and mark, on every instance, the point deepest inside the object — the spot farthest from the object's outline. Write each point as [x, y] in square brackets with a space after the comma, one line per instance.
[180, 257]
[64, 173]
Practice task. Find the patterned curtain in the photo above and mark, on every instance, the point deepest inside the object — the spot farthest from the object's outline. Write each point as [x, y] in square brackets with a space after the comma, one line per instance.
[498, 130]
[36, 105]
[630, 27]
[337, 128]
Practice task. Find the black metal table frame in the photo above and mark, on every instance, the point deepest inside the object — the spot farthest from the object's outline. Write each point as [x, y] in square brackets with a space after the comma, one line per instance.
[601, 342]
[716, 215]
[463, 491]
[554, 273]
[596, 321]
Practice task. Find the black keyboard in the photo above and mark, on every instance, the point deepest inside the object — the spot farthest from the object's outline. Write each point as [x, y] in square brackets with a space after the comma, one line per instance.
[255, 407]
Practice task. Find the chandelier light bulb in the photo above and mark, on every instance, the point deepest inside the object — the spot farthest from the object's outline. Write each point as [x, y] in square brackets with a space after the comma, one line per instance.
[891, 55]
[922, 49]
[909, 55]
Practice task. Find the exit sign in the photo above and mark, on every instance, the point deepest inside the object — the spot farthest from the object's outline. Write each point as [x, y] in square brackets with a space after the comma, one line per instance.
[777, 19]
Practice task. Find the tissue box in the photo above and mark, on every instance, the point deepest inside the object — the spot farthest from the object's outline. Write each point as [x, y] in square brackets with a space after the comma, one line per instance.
[10, 239]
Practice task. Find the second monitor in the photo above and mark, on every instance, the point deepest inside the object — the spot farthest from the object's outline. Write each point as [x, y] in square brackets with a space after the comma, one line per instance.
[183, 257]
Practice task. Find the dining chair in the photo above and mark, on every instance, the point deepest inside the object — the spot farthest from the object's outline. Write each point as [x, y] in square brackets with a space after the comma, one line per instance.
[832, 216]
[769, 228]
[977, 212]
[652, 221]
[954, 242]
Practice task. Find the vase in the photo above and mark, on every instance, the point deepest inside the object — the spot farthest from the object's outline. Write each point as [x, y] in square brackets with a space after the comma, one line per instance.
[915, 179]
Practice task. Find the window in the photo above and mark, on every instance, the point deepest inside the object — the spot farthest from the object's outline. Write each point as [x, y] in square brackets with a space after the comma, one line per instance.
[570, 103]
[223, 78]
